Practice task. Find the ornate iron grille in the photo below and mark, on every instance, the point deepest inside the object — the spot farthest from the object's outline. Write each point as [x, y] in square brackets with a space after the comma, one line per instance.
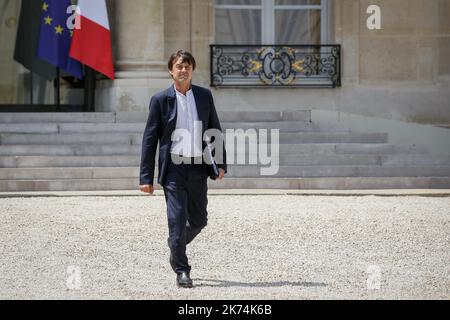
[276, 65]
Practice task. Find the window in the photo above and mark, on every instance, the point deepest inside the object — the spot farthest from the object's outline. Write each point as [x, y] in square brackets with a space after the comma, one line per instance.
[243, 22]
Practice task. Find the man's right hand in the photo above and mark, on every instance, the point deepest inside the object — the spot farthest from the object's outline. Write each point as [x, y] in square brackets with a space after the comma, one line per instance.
[147, 188]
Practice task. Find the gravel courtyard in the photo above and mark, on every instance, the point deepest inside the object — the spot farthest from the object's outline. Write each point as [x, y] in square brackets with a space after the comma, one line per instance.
[255, 247]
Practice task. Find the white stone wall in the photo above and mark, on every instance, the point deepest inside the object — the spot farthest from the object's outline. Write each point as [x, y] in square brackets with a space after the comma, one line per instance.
[399, 72]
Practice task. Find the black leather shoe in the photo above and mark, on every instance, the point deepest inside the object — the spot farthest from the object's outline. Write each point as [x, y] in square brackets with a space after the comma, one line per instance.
[183, 280]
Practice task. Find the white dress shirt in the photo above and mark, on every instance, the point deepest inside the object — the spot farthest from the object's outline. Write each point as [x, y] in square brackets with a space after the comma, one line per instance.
[187, 136]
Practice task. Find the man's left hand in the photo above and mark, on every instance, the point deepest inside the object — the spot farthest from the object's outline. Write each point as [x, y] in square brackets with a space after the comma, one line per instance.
[221, 174]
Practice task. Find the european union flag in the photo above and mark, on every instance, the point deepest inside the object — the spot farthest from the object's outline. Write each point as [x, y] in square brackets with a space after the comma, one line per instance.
[55, 37]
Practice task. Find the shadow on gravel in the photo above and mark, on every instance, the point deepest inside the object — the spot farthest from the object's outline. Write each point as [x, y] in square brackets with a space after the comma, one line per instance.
[223, 283]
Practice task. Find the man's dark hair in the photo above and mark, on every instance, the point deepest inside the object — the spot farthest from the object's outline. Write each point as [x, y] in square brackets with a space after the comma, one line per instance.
[187, 58]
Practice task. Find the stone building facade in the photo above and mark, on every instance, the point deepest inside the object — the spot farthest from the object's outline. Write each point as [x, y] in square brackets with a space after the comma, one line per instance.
[401, 71]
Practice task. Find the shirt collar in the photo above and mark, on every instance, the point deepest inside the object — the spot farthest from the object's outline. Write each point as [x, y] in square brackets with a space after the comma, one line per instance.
[188, 93]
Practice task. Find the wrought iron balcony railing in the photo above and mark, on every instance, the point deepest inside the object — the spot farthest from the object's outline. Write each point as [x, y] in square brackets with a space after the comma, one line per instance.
[276, 65]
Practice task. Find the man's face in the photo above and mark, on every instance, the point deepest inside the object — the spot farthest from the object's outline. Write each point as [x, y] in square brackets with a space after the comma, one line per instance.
[181, 72]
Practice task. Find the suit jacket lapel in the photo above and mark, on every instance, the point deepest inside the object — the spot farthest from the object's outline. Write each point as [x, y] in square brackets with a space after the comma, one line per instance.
[172, 105]
[200, 111]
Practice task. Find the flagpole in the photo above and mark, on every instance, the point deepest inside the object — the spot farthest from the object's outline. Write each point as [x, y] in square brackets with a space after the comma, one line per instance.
[31, 82]
[89, 89]
[31, 86]
[57, 90]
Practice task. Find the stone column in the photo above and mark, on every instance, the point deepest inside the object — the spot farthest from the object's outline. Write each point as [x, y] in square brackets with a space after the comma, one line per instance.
[189, 26]
[137, 29]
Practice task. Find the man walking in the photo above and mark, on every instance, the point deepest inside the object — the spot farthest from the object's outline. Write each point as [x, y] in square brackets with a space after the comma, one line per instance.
[178, 119]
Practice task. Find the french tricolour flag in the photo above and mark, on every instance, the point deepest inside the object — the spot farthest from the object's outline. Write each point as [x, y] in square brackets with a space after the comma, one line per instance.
[91, 43]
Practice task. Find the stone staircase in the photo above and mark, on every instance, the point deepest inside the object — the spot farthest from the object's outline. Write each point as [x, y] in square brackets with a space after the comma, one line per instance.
[101, 151]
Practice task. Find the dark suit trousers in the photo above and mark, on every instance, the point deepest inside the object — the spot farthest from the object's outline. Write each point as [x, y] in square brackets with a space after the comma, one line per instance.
[185, 189]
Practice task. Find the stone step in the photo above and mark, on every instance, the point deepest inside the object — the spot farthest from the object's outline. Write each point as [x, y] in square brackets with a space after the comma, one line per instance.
[29, 128]
[63, 128]
[77, 138]
[69, 161]
[333, 137]
[136, 139]
[333, 183]
[283, 126]
[69, 149]
[141, 117]
[284, 160]
[58, 117]
[332, 159]
[240, 116]
[68, 173]
[138, 128]
[343, 171]
[101, 151]
[68, 185]
[285, 149]
[230, 116]
[236, 183]
[379, 148]
[135, 128]
[329, 127]
[295, 138]
[134, 160]
[415, 160]
[233, 171]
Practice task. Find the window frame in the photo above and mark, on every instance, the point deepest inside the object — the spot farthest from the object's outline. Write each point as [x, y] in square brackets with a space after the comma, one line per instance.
[268, 9]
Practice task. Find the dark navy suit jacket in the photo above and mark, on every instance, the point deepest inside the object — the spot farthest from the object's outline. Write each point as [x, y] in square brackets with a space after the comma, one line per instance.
[161, 123]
